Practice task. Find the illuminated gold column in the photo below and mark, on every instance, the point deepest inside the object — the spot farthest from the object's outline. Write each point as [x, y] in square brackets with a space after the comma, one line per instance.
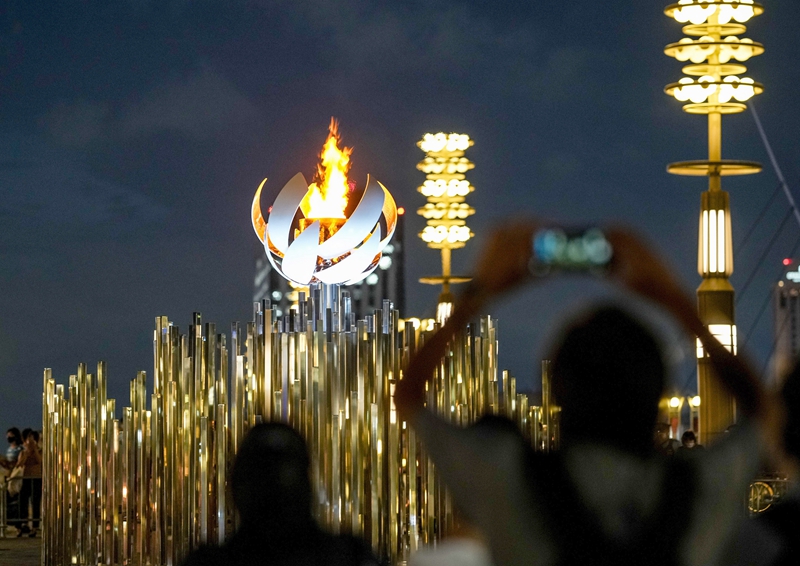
[712, 88]
[446, 188]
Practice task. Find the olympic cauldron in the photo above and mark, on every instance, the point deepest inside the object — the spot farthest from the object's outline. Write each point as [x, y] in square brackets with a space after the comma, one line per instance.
[149, 487]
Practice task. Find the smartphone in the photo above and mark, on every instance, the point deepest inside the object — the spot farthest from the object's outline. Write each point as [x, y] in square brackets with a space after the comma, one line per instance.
[570, 249]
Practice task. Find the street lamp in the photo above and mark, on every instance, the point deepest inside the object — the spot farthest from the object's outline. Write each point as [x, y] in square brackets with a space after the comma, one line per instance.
[446, 188]
[675, 406]
[694, 412]
[712, 86]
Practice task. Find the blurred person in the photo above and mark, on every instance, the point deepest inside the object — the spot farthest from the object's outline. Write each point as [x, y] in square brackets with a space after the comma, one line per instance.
[465, 545]
[272, 494]
[30, 460]
[689, 443]
[14, 439]
[664, 444]
[783, 518]
[603, 498]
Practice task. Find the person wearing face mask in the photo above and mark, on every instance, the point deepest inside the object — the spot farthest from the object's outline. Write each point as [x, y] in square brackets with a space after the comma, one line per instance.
[14, 439]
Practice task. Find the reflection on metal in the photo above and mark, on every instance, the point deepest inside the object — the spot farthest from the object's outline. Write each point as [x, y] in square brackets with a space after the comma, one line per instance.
[714, 54]
[766, 492]
[150, 486]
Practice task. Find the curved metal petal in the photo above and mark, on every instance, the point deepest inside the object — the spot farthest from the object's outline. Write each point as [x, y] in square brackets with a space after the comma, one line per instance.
[283, 211]
[300, 259]
[390, 213]
[353, 266]
[259, 225]
[360, 223]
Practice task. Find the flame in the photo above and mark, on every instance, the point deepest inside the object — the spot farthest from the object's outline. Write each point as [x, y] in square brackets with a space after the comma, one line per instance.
[327, 195]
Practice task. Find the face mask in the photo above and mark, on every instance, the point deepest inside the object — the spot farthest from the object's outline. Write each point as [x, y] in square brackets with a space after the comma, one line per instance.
[10, 440]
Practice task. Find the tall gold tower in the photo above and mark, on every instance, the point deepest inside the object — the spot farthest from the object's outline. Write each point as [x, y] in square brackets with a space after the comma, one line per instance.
[446, 188]
[714, 52]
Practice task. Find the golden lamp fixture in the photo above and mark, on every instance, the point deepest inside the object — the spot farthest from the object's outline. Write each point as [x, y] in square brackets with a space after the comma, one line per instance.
[446, 211]
[327, 231]
[714, 53]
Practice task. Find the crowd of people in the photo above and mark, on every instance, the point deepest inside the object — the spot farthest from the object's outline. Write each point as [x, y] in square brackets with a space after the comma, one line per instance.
[619, 497]
[21, 476]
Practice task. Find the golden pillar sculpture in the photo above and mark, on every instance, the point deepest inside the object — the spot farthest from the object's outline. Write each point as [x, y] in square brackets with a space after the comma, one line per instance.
[446, 189]
[714, 52]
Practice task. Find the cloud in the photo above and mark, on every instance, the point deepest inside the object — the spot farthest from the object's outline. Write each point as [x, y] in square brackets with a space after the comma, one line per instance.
[48, 193]
[195, 106]
[445, 42]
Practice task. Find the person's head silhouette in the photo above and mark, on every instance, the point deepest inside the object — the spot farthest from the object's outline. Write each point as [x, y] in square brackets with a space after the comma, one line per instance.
[270, 481]
[608, 376]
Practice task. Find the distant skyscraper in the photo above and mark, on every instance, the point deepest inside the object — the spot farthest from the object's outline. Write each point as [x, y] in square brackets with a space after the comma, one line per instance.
[386, 282]
[786, 305]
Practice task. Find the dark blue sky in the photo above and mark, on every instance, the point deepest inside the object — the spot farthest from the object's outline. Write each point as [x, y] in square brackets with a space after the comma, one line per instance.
[132, 138]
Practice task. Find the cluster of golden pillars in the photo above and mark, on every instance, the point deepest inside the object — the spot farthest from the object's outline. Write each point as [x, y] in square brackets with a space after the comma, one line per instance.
[151, 486]
[714, 53]
[446, 211]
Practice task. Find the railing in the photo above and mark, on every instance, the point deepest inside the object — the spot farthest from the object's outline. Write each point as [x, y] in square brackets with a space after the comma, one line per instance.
[11, 506]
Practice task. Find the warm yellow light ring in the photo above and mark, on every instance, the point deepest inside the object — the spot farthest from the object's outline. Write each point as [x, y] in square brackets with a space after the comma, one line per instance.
[700, 50]
[725, 168]
[698, 12]
[714, 29]
[730, 90]
[708, 69]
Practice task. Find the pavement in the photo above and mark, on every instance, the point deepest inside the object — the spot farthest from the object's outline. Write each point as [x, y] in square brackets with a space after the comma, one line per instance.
[23, 551]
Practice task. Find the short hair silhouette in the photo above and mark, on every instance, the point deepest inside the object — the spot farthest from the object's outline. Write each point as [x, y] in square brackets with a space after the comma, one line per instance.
[608, 376]
[688, 436]
[269, 480]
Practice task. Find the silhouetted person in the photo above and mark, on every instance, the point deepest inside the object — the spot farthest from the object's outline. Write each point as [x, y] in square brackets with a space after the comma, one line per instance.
[272, 493]
[606, 497]
[664, 444]
[783, 518]
[689, 444]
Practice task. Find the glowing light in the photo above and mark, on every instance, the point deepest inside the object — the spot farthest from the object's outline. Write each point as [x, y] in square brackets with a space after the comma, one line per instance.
[675, 402]
[401, 211]
[452, 188]
[700, 11]
[726, 335]
[695, 401]
[442, 210]
[327, 195]
[441, 142]
[311, 239]
[443, 311]
[714, 235]
[787, 261]
[445, 234]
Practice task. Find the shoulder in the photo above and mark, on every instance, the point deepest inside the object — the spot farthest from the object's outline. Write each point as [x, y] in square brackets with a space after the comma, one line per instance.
[207, 556]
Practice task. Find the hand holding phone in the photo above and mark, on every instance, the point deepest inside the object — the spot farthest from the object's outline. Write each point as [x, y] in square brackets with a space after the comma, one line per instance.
[564, 249]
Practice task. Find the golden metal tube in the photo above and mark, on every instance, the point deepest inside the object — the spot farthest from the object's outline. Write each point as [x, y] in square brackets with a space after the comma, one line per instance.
[151, 487]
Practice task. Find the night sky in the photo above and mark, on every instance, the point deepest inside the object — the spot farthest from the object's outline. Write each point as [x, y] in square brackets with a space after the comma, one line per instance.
[133, 136]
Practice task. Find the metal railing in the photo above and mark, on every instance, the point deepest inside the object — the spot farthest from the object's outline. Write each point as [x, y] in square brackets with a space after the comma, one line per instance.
[11, 512]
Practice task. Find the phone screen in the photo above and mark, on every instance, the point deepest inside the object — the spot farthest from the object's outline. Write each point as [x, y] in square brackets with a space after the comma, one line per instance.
[561, 249]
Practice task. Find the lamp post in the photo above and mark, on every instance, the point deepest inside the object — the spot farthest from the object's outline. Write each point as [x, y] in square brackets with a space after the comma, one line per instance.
[446, 189]
[694, 412]
[713, 88]
[675, 407]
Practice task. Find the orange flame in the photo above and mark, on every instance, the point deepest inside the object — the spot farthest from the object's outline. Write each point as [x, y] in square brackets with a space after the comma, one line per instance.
[327, 195]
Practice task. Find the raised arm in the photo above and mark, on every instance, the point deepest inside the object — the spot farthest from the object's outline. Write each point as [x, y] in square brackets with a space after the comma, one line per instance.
[639, 269]
[502, 266]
